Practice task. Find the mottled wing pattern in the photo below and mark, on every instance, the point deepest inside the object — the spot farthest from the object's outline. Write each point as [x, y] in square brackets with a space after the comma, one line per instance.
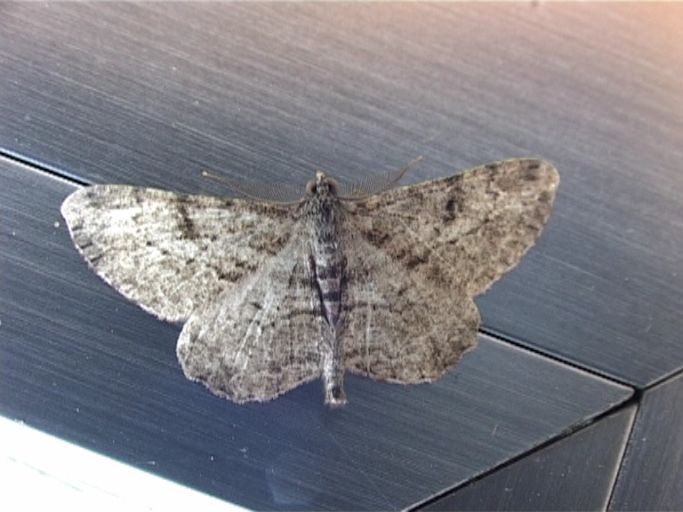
[168, 252]
[397, 327]
[262, 340]
[462, 233]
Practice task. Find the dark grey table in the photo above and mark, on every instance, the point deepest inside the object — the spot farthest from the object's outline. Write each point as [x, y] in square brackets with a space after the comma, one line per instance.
[572, 399]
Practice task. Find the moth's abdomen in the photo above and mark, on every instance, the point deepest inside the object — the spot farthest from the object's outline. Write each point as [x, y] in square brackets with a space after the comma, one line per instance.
[328, 274]
[326, 257]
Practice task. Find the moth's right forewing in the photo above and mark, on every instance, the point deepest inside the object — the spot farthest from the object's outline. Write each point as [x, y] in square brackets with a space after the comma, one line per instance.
[171, 253]
[505, 206]
[397, 327]
[464, 232]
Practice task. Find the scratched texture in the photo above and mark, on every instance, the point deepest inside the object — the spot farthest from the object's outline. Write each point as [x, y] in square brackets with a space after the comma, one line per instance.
[149, 94]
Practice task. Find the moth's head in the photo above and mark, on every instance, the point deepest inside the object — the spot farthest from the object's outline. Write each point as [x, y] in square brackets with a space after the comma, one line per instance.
[321, 185]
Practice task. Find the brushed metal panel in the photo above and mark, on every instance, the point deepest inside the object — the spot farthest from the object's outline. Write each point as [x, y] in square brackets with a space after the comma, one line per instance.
[575, 473]
[650, 478]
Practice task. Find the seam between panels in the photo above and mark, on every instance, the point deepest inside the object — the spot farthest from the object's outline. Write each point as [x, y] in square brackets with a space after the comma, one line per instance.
[664, 378]
[622, 455]
[37, 166]
[545, 444]
[556, 358]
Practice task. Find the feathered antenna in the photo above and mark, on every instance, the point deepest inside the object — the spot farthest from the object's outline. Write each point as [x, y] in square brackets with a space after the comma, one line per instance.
[273, 192]
[376, 183]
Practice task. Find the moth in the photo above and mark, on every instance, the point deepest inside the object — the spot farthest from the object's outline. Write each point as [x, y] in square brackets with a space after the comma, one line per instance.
[272, 295]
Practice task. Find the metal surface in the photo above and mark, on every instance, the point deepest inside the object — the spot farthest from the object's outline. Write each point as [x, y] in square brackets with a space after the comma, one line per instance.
[650, 478]
[575, 473]
[151, 93]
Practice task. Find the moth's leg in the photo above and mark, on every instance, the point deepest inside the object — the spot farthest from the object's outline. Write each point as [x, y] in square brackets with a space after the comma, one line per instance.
[333, 370]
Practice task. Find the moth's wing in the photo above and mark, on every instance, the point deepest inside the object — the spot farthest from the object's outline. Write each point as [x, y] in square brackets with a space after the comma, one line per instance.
[464, 232]
[261, 340]
[169, 252]
[396, 327]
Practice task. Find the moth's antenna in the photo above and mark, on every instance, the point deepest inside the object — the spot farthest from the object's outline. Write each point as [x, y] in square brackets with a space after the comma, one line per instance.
[229, 183]
[374, 184]
[281, 193]
[410, 165]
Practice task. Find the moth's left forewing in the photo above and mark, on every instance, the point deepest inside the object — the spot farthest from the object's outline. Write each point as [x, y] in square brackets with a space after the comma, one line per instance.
[170, 253]
[464, 232]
